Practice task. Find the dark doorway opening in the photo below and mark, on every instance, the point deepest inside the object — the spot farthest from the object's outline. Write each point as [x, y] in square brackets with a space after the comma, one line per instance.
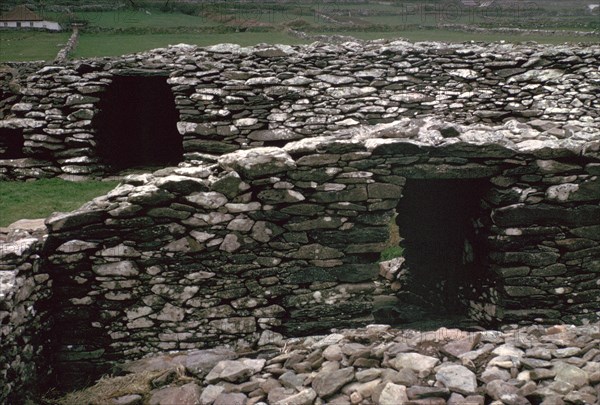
[11, 143]
[137, 124]
[444, 245]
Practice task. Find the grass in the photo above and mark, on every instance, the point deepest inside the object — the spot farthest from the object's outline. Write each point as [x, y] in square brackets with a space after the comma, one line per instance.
[393, 248]
[38, 199]
[108, 388]
[114, 33]
[140, 19]
[91, 45]
[390, 253]
[30, 45]
[456, 36]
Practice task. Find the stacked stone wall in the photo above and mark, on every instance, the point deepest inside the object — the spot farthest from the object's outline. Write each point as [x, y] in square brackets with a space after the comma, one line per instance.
[282, 232]
[25, 287]
[230, 97]
[287, 240]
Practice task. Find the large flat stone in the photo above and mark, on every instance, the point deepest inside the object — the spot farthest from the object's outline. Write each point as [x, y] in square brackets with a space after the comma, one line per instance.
[258, 162]
[71, 220]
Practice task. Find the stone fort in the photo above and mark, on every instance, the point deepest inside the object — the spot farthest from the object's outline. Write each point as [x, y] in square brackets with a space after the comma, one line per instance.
[279, 175]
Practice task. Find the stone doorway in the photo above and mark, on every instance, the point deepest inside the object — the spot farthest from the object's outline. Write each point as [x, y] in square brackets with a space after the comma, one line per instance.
[11, 143]
[444, 245]
[137, 124]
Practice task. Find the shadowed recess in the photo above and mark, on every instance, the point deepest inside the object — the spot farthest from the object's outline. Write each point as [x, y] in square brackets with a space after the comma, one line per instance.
[11, 143]
[443, 250]
[137, 125]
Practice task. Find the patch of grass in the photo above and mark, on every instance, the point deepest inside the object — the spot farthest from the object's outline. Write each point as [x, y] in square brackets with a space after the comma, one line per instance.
[108, 388]
[91, 45]
[20, 46]
[142, 18]
[458, 36]
[391, 252]
[393, 248]
[38, 199]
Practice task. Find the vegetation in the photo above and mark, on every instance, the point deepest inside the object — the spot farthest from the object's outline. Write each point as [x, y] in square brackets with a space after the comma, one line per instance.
[30, 45]
[114, 27]
[108, 387]
[38, 199]
[99, 44]
[393, 248]
[391, 252]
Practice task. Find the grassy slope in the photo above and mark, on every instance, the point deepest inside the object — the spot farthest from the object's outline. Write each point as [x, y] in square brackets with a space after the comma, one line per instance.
[455, 36]
[142, 19]
[91, 45]
[38, 199]
[153, 29]
[30, 45]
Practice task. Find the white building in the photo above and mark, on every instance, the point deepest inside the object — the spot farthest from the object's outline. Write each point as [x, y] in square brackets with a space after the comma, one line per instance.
[21, 17]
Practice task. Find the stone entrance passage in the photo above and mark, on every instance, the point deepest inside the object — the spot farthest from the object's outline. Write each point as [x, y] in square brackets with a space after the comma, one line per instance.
[137, 125]
[11, 143]
[438, 221]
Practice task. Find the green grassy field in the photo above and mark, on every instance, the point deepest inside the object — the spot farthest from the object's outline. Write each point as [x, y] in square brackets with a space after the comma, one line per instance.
[38, 199]
[123, 19]
[100, 44]
[30, 45]
[456, 36]
[117, 32]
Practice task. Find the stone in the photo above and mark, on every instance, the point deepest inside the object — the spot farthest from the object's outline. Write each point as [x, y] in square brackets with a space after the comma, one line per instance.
[497, 389]
[280, 196]
[293, 246]
[188, 394]
[171, 313]
[335, 80]
[73, 220]
[350, 92]
[421, 364]
[270, 135]
[570, 374]
[29, 225]
[290, 379]
[492, 373]
[210, 393]
[461, 346]
[234, 371]
[230, 243]
[537, 76]
[207, 200]
[327, 383]
[367, 375]
[231, 399]
[258, 162]
[133, 399]
[411, 98]
[180, 184]
[235, 325]
[393, 394]
[120, 269]
[150, 195]
[200, 362]
[541, 374]
[464, 73]
[316, 251]
[304, 397]
[419, 392]
[457, 379]
[333, 353]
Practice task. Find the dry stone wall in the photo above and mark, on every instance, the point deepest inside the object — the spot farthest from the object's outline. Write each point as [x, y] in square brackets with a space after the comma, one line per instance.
[25, 320]
[286, 240]
[275, 221]
[229, 97]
